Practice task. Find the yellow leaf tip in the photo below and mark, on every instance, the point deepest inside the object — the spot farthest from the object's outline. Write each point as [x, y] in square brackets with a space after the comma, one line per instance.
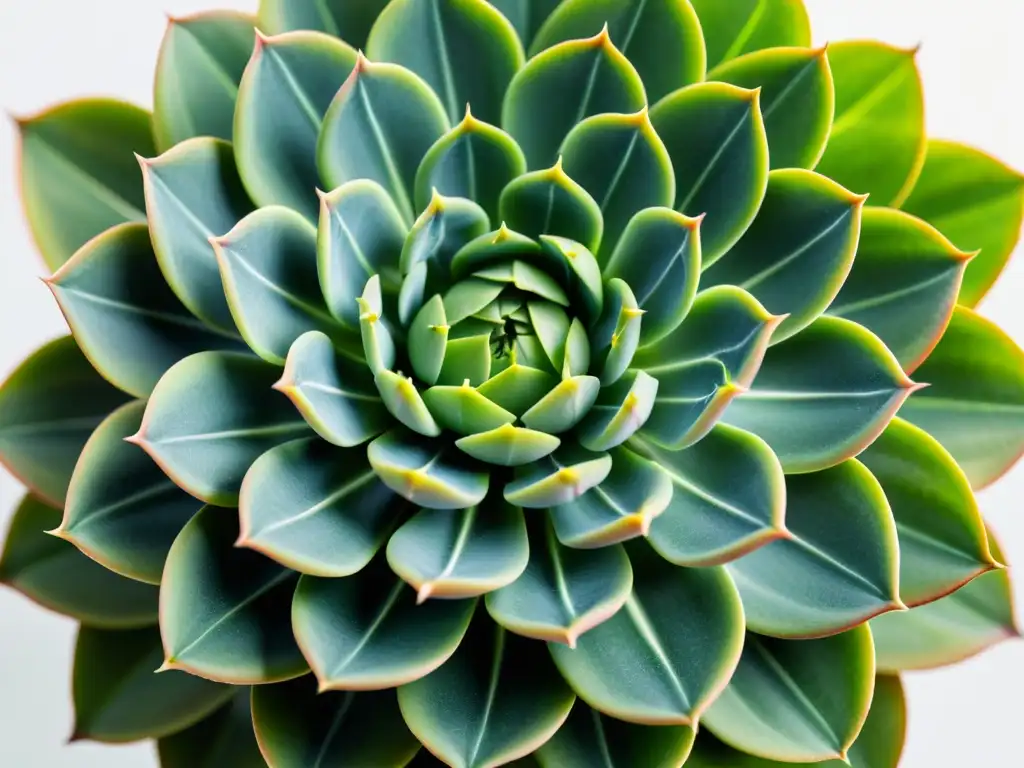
[424, 593]
[170, 663]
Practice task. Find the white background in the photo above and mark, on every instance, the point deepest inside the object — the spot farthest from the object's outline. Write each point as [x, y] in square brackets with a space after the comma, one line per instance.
[50, 50]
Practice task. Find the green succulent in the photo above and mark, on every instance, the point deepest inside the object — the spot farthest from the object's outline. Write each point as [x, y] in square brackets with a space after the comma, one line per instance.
[524, 381]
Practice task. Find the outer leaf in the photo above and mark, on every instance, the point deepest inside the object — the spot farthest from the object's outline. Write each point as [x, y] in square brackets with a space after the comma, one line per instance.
[361, 234]
[661, 38]
[665, 656]
[690, 400]
[340, 18]
[815, 415]
[465, 50]
[620, 410]
[879, 744]
[589, 738]
[335, 395]
[877, 142]
[117, 697]
[77, 176]
[355, 632]
[975, 402]
[712, 519]
[59, 577]
[798, 251]
[715, 136]
[658, 256]
[426, 473]
[379, 127]
[797, 100]
[951, 629]
[563, 592]
[210, 417]
[903, 285]
[224, 738]
[526, 16]
[315, 508]
[942, 538]
[977, 202]
[622, 163]
[297, 727]
[463, 554]
[122, 314]
[838, 567]
[563, 85]
[801, 700]
[49, 406]
[284, 94]
[201, 62]
[750, 25]
[497, 699]
[269, 267]
[193, 193]
[224, 610]
[122, 510]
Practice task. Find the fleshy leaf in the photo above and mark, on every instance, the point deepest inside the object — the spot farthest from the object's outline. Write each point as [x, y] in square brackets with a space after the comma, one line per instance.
[877, 142]
[798, 250]
[223, 738]
[750, 25]
[623, 164]
[122, 314]
[54, 574]
[715, 136]
[711, 518]
[661, 38]
[431, 475]
[298, 726]
[428, 337]
[210, 417]
[461, 554]
[658, 256]
[355, 631]
[564, 406]
[405, 403]
[118, 699]
[619, 411]
[379, 127]
[839, 565]
[464, 410]
[951, 629]
[269, 267]
[549, 202]
[943, 543]
[589, 738]
[335, 395]
[517, 389]
[974, 404]
[797, 700]
[615, 336]
[78, 177]
[341, 18]
[202, 58]
[527, 16]
[558, 479]
[283, 97]
[903, 285]
[224, 610]
[465, 50]
[316, 509]
[509, 446]
[975, 201]
[797, 100]
[813, 415]
[563, 592]
[361, 234]
[121, 509]
[378, 343]
[498, 698]
[560, 87]
[193, 192]
[49, 406]
[665, 656]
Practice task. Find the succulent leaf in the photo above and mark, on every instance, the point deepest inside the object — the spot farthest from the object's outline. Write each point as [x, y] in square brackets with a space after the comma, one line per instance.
[751, 25]
[297, 726]
[527, 16]
[226, 735]
[224, 611]
[619, 411]
[59, 577]
[425, 472]
[77, 176]
[559, 478]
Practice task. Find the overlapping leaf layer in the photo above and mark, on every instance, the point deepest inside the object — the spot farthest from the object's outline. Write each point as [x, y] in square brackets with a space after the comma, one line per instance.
[473, 383]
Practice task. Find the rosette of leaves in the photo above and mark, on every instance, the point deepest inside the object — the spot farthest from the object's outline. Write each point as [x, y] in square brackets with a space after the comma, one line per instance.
[468, 383]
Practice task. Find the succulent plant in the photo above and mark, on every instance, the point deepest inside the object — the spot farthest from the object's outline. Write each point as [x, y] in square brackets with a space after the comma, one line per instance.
[474, 383]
